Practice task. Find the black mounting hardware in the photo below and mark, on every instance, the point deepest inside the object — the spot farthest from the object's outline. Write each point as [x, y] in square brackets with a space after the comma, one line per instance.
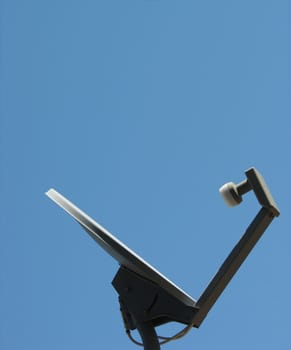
[144, 301]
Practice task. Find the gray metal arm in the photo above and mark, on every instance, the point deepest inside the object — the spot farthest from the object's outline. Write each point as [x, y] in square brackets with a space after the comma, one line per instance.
[232, 264]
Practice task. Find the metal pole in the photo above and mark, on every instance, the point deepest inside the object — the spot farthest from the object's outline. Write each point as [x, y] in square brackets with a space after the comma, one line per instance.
[148, 335]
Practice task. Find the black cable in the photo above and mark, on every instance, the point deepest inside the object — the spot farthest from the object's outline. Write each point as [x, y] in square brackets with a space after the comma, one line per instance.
[165, 340]
[132, 339]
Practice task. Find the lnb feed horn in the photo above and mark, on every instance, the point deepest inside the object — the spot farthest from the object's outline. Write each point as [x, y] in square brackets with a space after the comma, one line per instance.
[232, 193]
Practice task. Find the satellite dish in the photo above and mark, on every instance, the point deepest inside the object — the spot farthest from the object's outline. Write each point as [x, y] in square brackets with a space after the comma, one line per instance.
[147, 298]
[118, 250]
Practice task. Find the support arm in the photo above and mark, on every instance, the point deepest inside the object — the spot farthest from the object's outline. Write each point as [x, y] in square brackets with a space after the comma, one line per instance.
[232, 263]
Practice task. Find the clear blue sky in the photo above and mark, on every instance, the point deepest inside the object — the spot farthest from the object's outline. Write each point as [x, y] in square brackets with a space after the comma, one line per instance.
[138, 111]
